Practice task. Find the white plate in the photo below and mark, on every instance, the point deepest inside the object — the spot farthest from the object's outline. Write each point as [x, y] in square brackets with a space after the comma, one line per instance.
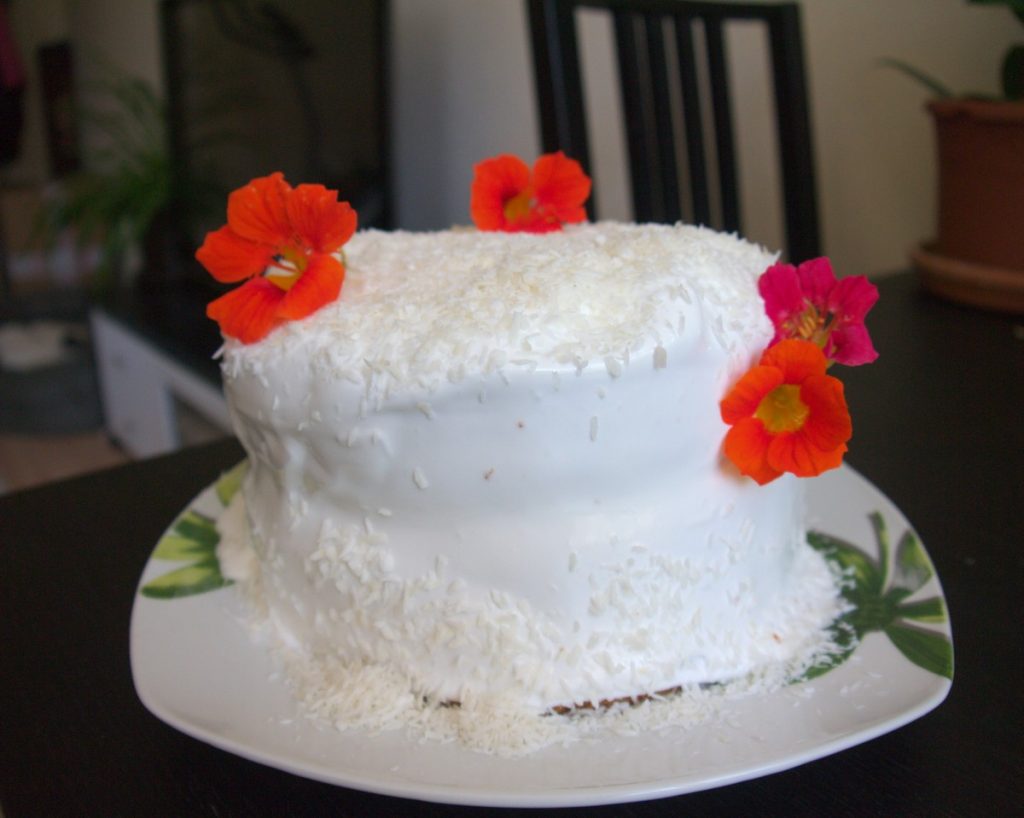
[196, 667]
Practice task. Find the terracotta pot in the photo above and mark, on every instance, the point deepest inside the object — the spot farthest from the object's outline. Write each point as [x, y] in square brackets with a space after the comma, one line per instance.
[981, 181]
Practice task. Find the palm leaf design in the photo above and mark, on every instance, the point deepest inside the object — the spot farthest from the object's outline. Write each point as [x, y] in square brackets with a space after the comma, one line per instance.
[879, 592]
[193, 539]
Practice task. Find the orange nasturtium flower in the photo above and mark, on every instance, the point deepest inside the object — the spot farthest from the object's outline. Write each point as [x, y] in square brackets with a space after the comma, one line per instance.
[786, 415]
[507, 196]
[283, 240]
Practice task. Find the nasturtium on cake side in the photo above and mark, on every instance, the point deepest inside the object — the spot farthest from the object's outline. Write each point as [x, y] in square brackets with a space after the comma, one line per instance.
[785, 413]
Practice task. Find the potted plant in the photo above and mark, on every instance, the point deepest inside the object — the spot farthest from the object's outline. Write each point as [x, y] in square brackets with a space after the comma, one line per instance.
[978, 256]
[121, 204]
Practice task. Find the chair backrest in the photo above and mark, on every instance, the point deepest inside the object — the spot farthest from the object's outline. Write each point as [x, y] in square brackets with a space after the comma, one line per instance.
[654, 38]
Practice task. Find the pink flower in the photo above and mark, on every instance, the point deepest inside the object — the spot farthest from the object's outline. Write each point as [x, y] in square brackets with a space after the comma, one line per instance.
[808, 303]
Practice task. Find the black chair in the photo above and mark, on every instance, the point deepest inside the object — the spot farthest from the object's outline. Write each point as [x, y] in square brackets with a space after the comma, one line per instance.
[653, 38]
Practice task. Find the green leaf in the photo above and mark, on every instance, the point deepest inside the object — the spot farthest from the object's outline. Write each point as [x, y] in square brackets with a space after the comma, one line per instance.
[927, 80]
[173, 547]
[874, 612]
[927, 649]
[194, 526]
[1013, 73]
[192, 579]
[849, 557]
[229, 482]
[846, 641]
[192, 535]
[924, 610]
[882, 539]
[1016, 6]
[912, 568]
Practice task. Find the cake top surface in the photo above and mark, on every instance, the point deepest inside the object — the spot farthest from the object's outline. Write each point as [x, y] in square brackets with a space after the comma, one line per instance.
[428, 307]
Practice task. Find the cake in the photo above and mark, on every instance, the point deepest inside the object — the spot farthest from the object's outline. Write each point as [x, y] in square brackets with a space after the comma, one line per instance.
[494, 466]
[539, 468]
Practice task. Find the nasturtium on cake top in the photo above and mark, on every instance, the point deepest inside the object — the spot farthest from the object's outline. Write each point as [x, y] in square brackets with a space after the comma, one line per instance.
[281, 241]
[507, 195]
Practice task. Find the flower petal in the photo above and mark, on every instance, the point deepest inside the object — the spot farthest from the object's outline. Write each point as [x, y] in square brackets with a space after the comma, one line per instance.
[495, 181]
[249, 312]
[257, 210]
[320, 284]
[783, 298]
[828, 422]
[851, 298]
[794, 453]
[560, 187]
[797, 359]
[744, 398]
[747, 445]
[320, 220]
[816, 281]
[851, 345]
[229, 258]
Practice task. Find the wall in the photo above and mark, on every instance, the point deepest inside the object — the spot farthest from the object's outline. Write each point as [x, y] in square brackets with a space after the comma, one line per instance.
[464, 91]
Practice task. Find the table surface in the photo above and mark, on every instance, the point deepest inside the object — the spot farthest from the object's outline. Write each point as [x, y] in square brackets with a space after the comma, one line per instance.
[937, 427]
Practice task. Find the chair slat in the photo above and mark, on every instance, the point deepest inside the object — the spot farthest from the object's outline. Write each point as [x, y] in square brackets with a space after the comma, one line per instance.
[665, 173]
[695, 150]
[795, 144]
[634, 82]
[718, 74]
[559, 85]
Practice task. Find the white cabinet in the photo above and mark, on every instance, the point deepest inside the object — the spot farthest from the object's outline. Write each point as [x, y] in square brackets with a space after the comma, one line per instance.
[152, 404]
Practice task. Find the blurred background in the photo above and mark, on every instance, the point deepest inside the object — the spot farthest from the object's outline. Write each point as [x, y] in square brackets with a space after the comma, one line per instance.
[124, 123]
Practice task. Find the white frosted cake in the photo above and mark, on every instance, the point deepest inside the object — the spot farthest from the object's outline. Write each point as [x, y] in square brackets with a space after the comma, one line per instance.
[491, 471]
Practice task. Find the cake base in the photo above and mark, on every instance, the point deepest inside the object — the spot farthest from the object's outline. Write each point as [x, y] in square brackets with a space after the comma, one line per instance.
[362, 695]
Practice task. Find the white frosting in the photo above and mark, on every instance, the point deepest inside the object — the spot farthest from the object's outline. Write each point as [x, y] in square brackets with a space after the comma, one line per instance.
[493, 468]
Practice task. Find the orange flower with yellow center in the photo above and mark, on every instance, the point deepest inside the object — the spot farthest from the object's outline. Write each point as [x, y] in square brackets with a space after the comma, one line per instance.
[281, 241]
[506, 195]
[786, 415]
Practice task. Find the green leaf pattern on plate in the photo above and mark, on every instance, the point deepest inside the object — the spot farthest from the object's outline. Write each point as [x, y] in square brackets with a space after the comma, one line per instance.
[879, 592]
[230, 482]
[193, 539]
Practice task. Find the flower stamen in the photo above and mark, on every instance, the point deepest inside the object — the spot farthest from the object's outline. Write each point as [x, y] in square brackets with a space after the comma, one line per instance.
[518, 207]
[782, 410]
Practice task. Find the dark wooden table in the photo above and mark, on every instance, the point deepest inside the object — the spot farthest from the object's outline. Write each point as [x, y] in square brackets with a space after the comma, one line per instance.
[938, 425]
